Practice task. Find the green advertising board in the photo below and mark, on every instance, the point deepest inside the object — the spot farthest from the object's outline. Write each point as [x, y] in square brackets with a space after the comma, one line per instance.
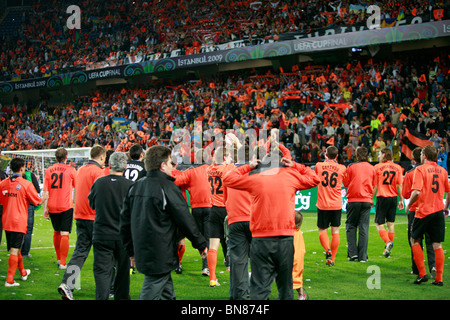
[306, 201]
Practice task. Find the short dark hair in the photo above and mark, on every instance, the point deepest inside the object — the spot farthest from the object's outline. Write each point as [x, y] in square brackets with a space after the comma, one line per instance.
[136, 151]
[60, 154]
[97, 151]
[362, 153]
[155, 156]
[109, 152]
[430, 152]
[298, 219]
[16, 164]
[332, 152]
[387, 153]
[416, 154]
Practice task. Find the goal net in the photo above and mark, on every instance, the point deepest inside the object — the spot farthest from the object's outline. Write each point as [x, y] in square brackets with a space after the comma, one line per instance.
[37, 161]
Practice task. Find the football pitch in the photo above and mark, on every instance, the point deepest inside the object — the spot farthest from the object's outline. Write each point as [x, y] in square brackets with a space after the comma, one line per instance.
[380, 278]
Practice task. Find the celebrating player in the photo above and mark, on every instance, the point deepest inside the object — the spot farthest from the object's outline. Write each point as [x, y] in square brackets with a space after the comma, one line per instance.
[329, 202]
[59, 182]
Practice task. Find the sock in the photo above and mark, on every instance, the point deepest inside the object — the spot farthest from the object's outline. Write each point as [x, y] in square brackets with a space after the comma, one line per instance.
[20, 265]
[212, 263]
[335, 239]
[419, 259]
[64, 249]
[56, 244]
[439, 259]
[391, 236]
[181, 250]
[384, 235]
[324, 239]
[12, 267]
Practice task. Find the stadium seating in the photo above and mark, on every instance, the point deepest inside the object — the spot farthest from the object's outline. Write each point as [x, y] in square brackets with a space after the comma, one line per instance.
[122, 30]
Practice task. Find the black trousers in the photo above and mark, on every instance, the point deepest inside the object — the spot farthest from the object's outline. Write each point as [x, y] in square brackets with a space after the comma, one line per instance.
[81, 252]
[239, 242]
[201, 217]
[428, 245]
[271, 258]
[110, 257]
[357, 229]
[157, 287]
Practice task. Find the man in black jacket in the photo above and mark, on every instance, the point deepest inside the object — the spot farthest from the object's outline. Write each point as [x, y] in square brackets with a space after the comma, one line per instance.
[106, 198]
[154, 217]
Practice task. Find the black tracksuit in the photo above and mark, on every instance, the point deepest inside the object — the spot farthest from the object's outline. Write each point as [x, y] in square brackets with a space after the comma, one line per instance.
[153, 216]
[106, 198]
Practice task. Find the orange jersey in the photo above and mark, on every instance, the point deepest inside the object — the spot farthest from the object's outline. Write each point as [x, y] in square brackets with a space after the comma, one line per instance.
[196, 181]
[388, 176]
[360, 180]
[299, 259]
[331, 174]
[59, 181]
[407, 190]
[238, 204]
[16, 195]
[176, 173]
[86, 177]
[432, 182]
[215, 173]
[272, 193]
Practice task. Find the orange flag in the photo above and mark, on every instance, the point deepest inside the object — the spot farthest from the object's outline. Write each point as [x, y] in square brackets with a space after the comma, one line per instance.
[330, 141]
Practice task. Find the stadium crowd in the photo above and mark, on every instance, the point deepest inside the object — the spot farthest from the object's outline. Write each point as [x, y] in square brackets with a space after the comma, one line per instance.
[323, 112]
[360, 102]
[42, 45]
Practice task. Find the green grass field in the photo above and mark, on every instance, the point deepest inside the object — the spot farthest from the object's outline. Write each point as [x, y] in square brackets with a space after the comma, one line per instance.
[378, 279]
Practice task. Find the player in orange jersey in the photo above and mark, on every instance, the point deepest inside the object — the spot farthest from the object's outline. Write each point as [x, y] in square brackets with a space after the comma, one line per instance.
[406, 192]
[218, 212]
[16, 193]
[182, 243]
[388, 187]
[329, 202]
[59, 182]
[430, 183]
[196, 181]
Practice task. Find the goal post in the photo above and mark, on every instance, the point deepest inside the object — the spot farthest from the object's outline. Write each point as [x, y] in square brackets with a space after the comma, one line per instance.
[37, 161]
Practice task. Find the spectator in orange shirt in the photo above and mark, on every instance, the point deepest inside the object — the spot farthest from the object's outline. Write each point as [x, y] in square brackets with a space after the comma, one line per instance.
[84, 216]
[59, 183]
[389, 180]
[430, 183]
[360, 182]
[16, 195]
[329, 202]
